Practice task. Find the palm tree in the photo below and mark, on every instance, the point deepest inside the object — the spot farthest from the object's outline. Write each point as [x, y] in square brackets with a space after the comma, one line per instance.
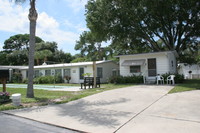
[32, 17]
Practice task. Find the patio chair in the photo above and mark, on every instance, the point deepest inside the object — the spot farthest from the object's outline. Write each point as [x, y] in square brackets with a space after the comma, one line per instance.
[170, 79]
[160, 78]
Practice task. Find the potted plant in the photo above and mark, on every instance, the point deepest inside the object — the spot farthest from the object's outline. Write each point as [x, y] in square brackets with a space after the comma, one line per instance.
[87, 74]
[68, 78]
[4, 97]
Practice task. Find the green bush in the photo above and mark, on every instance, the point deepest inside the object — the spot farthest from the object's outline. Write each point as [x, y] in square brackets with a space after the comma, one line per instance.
[44, 80]
[25, 81]
[59, 79]
[16, 78]
[48, 79]
[179, 78]
[126, 79]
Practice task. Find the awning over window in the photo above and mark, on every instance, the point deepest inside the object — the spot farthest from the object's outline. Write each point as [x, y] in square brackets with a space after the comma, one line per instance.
[133, 62]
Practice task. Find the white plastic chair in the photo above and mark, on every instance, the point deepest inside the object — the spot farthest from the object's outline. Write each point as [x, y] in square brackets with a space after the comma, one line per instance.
[160, 78]
[170, 78]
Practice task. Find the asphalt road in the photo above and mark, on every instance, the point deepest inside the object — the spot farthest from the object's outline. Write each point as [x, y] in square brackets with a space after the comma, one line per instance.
[13, 124]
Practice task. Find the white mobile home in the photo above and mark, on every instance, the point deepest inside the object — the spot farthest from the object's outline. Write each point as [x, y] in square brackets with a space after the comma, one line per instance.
[105, 69]
[148, 64]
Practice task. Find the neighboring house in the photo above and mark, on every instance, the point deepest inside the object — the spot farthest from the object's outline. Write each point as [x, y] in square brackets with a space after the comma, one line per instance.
[105, 69]
[148, 65]
[189, 71]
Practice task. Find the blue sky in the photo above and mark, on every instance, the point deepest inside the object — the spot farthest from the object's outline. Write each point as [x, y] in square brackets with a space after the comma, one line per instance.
[61, 21]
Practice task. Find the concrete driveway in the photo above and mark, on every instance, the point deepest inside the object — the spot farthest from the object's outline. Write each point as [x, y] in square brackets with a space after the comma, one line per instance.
[140, 109]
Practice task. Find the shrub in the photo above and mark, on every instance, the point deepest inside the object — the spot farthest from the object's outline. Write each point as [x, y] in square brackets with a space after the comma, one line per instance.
[179, 78]
[44, 80]
[58, 79]
[17, 77]
[25, 81]
[48, 79]
[126, 79]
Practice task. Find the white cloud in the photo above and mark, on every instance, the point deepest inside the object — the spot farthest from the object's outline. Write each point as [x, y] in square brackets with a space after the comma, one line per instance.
[14, 19]
[49, 29]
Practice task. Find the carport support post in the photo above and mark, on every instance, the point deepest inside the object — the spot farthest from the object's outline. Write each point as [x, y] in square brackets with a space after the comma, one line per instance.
[94, 73]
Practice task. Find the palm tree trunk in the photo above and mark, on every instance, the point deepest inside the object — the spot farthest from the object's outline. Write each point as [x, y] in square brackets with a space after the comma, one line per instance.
[32, 17]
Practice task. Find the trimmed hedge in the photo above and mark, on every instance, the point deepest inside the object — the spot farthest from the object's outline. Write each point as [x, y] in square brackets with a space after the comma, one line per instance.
[126, 79]
[48, 79]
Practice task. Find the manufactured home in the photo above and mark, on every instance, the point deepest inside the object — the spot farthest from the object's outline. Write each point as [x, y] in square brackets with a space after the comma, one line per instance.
[149, 65]
[104, 70]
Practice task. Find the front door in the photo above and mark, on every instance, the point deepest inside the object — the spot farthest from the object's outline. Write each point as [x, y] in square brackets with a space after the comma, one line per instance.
[152, 67]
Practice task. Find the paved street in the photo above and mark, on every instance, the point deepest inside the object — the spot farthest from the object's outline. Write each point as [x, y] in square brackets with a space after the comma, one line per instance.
[13, 124]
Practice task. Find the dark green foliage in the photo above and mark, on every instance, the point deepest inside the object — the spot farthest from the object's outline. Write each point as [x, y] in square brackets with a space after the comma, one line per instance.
[16, 77]
[179, 78]
[3, 59]
[15, 51]
[18, 42]
[126, 79]
[135, 26]
[62, 57]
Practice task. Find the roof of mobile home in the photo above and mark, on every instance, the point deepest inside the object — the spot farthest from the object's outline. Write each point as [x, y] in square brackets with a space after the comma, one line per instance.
[57, 65]
[151, 53]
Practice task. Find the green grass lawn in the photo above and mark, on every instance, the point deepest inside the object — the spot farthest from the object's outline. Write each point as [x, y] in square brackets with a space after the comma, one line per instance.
[188, 85]
[45, 97]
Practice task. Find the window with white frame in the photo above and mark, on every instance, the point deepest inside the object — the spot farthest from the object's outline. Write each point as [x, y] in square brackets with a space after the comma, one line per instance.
[58, 72]
[67, 72]
[36, 73]
[47, 72]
